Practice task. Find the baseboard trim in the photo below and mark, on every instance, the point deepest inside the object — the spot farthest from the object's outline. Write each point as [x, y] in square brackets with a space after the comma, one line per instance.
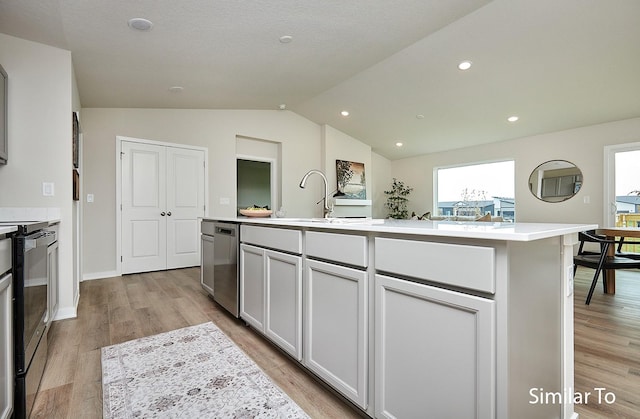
[99, 275]
[66, 313]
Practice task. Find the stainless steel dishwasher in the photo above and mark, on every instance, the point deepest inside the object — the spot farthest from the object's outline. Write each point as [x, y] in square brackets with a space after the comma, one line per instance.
[226, 281]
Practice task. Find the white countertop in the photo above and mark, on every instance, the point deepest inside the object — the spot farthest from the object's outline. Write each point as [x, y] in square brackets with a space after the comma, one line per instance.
[461, 229]
[8, 229]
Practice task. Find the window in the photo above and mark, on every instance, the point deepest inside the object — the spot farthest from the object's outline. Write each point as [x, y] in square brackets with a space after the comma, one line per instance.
[476, 189]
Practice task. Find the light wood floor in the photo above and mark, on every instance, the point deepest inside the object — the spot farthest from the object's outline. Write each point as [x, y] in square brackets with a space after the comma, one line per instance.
[118, 309]
[607, 345]
[114, 310]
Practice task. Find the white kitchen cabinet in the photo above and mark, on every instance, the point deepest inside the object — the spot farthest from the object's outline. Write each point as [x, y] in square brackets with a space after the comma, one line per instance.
[271, 295]
[335, 332]
[52, 277]
[283, 308]
[252, 285]
[206, 255]
[434, 352]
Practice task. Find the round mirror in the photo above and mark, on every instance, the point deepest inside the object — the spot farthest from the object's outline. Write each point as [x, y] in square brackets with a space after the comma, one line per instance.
[555, 181]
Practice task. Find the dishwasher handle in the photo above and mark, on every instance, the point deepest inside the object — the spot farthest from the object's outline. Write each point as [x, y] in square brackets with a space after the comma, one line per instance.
[225, 231]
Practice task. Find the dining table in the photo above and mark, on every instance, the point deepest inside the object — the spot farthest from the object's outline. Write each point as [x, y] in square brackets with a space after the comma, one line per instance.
[612, 233]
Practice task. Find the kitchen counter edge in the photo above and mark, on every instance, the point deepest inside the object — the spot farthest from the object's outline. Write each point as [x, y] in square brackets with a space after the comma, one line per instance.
[459, 229]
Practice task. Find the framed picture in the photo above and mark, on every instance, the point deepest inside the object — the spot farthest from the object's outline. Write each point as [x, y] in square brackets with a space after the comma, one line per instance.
[351, 180]
[75, 139]
[76, 185]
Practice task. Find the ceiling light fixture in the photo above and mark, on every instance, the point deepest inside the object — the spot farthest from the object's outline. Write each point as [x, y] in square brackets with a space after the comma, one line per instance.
[465, 65]
[140, 24]
[285, 39]
[399, 144]
[176, 89]
[420, 116]
[344, 113]
[282, 106]
[513, 118]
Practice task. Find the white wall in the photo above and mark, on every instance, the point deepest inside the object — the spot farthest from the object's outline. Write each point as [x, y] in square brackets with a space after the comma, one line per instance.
[582, 146]
[215, 129]
[380, 181]
[40, 104]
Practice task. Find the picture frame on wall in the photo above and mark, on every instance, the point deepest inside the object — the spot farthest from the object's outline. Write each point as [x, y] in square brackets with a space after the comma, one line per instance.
[351, 180]
[75, 140]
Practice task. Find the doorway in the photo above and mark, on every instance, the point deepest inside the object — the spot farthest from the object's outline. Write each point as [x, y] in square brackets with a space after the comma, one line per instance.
[622, 185]
[160, 199]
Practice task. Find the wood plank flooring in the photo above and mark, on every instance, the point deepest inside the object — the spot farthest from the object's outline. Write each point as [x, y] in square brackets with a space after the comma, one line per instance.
[114, 310]
[607, 345]
[118, 309]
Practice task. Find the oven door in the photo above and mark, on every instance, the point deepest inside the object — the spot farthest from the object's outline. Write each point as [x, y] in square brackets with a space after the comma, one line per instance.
[34, 292]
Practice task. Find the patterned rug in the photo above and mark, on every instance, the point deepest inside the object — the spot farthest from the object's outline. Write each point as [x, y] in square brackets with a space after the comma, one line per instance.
[194, 372]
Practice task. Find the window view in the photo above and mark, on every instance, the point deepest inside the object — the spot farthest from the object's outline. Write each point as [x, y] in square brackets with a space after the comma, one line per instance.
[627, 187]
[475, 190]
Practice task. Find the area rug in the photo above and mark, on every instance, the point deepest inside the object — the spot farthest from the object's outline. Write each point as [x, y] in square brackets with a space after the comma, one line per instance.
[194, 372]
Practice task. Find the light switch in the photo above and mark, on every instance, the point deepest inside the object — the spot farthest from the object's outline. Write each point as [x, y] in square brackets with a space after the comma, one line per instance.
[48, 189]
[89, 197]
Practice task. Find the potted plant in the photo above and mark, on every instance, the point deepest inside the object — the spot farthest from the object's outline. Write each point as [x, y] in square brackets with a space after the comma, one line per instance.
[397, 200]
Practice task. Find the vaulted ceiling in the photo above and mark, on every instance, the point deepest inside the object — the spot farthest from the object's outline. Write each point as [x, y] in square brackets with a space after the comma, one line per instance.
[392, 64]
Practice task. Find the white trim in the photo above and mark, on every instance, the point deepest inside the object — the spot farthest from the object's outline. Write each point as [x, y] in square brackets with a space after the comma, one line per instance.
[66, 313]
[99, 275]
[275, 203]
[609, 187]
[119, 140]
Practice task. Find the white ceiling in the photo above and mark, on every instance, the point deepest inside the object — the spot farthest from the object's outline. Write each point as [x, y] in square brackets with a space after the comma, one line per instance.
[555, 64]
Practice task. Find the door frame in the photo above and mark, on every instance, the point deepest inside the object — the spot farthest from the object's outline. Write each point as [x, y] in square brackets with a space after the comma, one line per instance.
[609, 190]
[273, 184]
[119, 140]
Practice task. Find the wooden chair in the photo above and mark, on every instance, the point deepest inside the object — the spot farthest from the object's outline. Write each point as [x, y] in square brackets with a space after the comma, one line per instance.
[600, 261]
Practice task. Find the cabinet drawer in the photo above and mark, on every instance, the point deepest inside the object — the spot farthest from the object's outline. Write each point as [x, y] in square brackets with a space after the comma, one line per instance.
[344, 248]
[459, 265]
[206, 227]
[5, 255]
[274, 238]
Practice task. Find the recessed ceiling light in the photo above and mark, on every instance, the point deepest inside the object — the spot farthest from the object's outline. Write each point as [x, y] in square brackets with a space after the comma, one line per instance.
[513, 118]
[286, 39]
[140, 24]
[399, 144]
[465, 65]
[344, 113]
[176, 89]
[282, 106]
[420, 116]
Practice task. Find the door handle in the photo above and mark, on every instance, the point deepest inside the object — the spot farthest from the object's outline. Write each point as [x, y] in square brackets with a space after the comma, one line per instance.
[169, 213]
[162, 213]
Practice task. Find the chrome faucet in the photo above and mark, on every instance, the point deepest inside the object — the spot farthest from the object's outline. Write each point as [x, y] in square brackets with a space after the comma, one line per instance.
[327, 210]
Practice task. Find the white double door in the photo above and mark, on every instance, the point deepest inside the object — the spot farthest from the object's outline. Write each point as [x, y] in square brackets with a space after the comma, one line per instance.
[162, 198]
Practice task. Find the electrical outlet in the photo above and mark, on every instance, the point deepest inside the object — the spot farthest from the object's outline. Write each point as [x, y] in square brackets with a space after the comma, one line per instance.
[89, 197]
[48, 189]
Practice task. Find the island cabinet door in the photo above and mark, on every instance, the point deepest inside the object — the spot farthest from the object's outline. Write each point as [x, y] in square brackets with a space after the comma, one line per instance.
[434, 352]
[335, 333]
[252, 286]
[283, 282]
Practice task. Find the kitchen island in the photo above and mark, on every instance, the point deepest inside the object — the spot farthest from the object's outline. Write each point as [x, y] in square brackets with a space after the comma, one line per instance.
[418, 318]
